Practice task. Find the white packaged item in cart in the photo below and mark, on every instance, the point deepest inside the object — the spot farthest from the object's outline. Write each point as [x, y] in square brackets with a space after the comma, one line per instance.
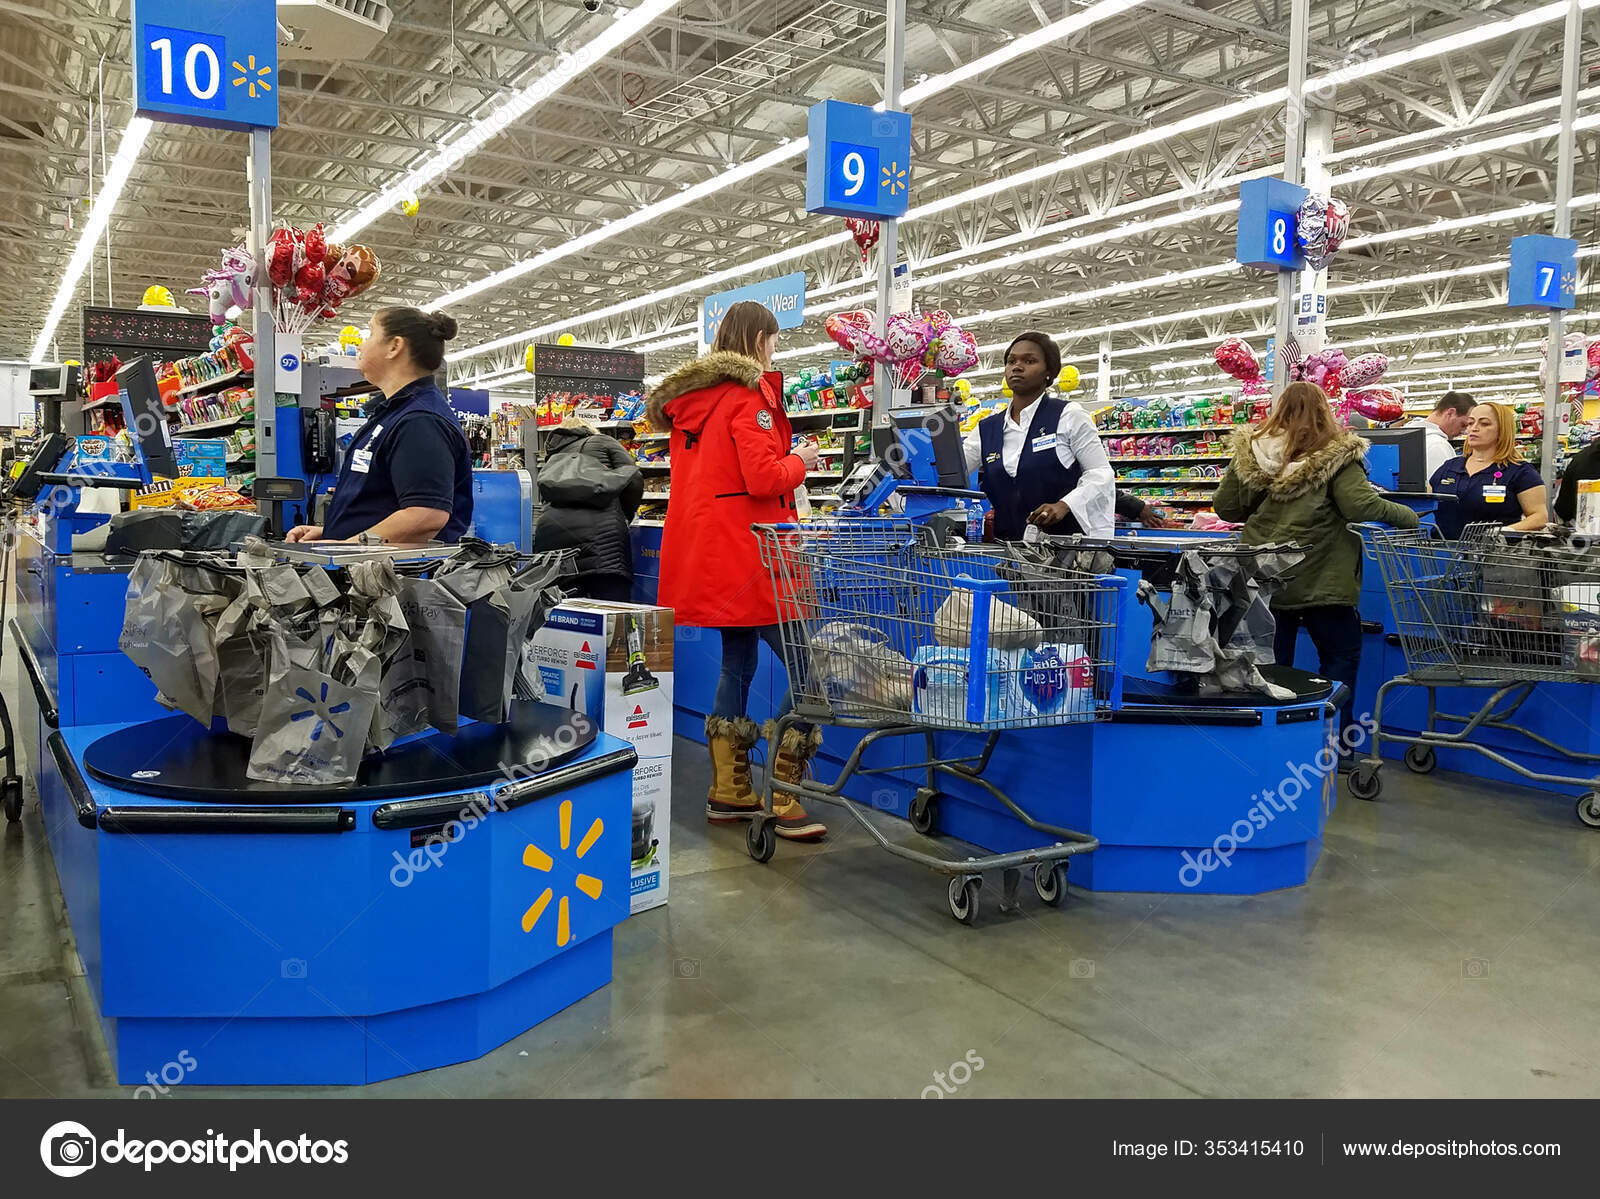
[1009, 626]
[941, 691]
[613, 662]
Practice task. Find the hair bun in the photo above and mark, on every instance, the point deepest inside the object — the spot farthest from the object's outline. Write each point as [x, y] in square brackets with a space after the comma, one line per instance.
[442, 325]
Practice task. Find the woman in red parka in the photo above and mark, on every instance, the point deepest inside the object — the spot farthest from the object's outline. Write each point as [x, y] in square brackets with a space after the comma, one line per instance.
[733, 466]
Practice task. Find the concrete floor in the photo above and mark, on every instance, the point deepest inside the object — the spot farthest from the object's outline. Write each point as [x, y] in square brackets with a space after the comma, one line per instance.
[1445, 947]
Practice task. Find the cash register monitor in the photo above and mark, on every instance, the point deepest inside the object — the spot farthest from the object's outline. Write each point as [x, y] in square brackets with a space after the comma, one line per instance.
[146, 418]
[1397, 459]
[930, 439]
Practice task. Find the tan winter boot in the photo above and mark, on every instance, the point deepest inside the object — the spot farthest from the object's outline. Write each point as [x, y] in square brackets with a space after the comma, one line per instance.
[731, 796]
[787, 762]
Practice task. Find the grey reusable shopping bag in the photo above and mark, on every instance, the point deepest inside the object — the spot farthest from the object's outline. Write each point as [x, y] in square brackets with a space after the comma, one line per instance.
[497, 626]
[316, 712]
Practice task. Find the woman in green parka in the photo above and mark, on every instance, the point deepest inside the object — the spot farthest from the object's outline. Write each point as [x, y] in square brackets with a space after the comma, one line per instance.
[1302, 478]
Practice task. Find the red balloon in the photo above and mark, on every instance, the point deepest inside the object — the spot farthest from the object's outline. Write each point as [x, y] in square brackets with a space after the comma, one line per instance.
[848, 329]
[1237, 359]
[865, 233]
[280, 256]
[1380, 404]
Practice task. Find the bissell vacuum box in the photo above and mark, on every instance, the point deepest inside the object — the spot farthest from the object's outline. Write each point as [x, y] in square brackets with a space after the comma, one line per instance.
[613, 662]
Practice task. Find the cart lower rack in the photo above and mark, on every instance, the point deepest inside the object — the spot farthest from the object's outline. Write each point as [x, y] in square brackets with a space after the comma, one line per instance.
[887, 631]
[1495, 612]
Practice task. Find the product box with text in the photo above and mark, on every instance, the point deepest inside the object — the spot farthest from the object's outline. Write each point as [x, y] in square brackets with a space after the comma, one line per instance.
[613, 662]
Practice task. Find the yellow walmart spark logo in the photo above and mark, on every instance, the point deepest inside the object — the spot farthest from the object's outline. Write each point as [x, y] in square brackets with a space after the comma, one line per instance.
[536, 859]
[252, 76]
[894, 178]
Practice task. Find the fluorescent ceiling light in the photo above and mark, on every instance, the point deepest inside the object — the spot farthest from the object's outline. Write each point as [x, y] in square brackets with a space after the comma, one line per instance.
[568, 66]
[116, 178]
[776, 157]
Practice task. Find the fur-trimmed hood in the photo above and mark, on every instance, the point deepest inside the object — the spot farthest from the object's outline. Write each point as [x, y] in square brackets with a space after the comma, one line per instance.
[1259, 463]
[721, 366]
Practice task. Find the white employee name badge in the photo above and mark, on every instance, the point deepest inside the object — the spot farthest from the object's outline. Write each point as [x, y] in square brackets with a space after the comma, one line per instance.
[360, 461]
[1043, 443]
[1493, 494]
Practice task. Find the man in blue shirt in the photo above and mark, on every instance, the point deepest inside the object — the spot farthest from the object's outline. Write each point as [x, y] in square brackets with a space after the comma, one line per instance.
[407, 476]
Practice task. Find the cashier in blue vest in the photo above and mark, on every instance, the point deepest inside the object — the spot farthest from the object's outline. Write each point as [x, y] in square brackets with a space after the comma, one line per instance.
[407, 476]
[1041, 461]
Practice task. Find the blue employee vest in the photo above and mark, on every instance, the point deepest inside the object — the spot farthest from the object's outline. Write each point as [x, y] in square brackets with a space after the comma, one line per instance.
[366, 492]
[1040, 477]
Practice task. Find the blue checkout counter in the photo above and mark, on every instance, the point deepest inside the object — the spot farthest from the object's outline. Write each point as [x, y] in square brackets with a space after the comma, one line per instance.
[303, 935]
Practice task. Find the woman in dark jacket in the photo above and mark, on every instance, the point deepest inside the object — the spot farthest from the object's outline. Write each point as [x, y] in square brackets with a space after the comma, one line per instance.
[591, 487]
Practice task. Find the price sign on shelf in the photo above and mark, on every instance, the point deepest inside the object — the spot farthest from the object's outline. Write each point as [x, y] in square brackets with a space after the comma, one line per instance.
[858, 162]
[1544, 272]
[206, 64]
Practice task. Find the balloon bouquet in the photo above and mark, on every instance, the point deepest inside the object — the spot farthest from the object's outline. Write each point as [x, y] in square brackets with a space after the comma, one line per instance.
[1349, 382]
[1321, 226]
[310, 278]
[910, 344]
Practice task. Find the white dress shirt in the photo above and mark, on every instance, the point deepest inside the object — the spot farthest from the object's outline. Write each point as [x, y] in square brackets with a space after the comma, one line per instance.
[1093, 501]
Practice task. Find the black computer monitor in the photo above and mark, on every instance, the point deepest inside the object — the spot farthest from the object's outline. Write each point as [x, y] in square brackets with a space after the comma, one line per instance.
[931, 440]
[1398, 458]
[146, 418]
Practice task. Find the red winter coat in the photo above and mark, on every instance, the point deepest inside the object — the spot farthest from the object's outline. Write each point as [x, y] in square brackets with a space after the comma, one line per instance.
[731, 468]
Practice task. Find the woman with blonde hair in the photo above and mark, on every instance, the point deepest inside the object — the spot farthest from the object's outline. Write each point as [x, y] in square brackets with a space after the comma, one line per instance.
[734, 464]
[1301, 478]
[1490, 481]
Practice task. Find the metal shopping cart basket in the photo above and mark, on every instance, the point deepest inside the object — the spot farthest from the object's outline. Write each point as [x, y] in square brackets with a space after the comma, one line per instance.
[887, 631]
[1491, 611]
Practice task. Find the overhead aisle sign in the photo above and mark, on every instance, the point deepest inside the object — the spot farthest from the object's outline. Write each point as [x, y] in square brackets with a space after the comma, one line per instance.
[1544, 272]
[784, 297]
[858, 162]
[206, 64]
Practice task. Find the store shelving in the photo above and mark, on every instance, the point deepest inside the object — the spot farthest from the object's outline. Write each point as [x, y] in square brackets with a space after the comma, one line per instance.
[1172, 430]
[226, 422]
[1171, 458]
[212, 384]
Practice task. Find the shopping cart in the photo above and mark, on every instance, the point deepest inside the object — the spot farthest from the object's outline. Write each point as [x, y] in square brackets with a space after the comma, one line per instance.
[1490, 611]
[888, 631]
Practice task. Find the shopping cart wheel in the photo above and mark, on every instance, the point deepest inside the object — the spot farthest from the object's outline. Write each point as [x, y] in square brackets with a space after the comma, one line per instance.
[11, 793]
[1050, 881]
[964, 897]
[1420, 759]
[924, 812]
[760, 838]
[1588, 809]
[1365, 783]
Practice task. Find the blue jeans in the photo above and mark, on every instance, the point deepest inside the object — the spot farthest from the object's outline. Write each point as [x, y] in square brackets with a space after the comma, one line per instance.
[741, 653]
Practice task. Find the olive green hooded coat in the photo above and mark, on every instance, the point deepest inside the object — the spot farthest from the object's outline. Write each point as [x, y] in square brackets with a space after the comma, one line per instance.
[1311, 502]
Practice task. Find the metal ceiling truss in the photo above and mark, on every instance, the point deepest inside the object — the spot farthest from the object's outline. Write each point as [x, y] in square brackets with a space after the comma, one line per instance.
[720, 81]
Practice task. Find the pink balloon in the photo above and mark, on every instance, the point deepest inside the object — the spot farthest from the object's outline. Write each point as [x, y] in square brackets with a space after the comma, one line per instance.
[1380, 404]
[905, 339]
[1364, 371]
[958, 351]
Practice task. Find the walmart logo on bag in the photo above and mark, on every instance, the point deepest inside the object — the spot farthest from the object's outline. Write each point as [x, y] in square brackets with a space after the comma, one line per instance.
[321, 712]
[536, 859]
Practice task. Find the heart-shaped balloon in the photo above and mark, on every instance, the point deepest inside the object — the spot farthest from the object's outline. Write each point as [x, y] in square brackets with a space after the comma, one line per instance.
[847, 330]
[939, 320]
[1365, 370]
[1237, 359]
[1379, 404]
[958, 351]
[864, 233]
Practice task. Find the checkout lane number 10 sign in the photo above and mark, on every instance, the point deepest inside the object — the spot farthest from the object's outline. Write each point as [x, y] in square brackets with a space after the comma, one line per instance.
[207, 64]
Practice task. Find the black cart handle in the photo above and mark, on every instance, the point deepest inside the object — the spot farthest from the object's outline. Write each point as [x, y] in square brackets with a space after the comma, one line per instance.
[49, 711]
[227, 820]
[77, 789]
